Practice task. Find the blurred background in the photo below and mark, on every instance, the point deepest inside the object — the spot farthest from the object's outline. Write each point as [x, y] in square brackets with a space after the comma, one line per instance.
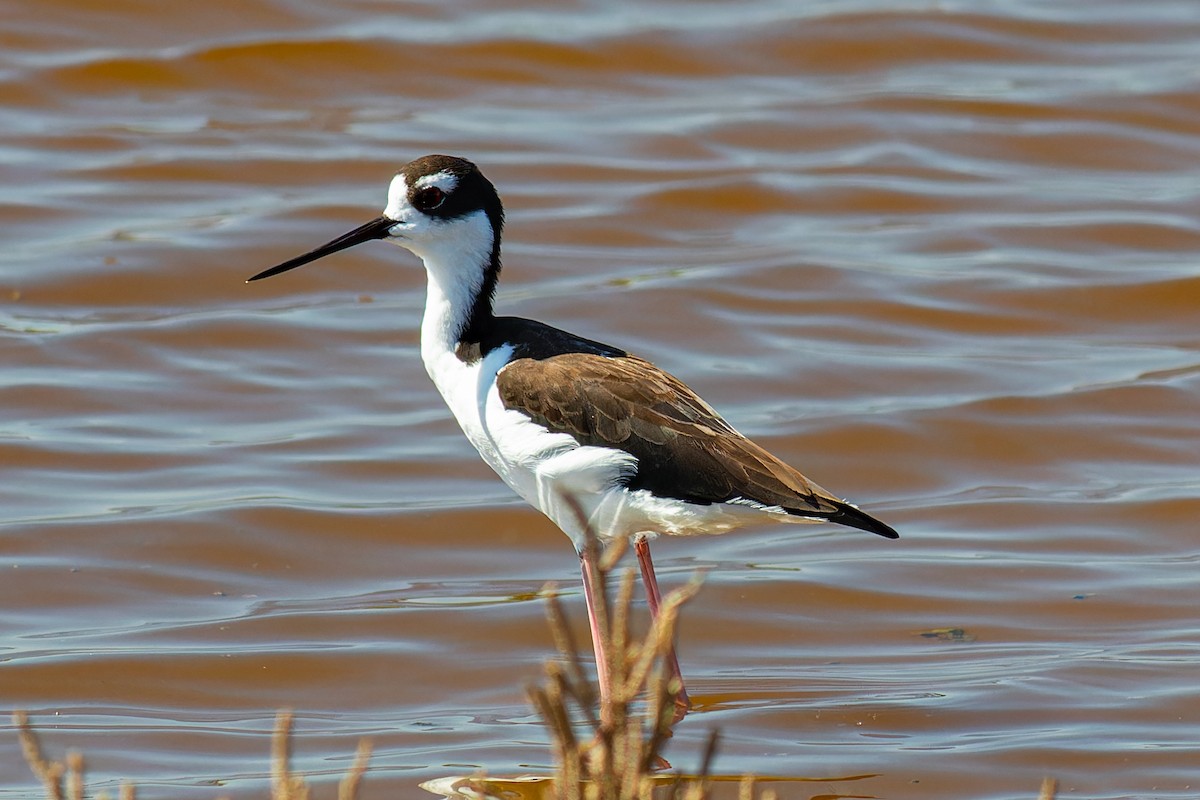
[941, 256]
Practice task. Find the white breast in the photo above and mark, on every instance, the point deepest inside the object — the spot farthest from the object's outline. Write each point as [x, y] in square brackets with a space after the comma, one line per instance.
[539, 465]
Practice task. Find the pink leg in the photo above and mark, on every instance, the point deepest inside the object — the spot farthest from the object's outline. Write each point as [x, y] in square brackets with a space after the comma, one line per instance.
[589, 575]
[642, 545]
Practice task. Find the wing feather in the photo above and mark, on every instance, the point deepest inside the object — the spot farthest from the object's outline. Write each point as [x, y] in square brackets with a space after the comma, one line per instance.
[684, 448]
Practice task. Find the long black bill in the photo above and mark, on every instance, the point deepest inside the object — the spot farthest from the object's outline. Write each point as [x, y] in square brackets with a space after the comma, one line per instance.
[375, 229]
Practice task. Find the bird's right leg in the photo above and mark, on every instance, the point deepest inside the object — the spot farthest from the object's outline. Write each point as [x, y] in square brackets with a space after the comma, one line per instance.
[641, 545]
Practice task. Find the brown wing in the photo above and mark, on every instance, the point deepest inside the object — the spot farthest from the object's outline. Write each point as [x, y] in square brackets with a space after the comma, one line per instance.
[684, 448]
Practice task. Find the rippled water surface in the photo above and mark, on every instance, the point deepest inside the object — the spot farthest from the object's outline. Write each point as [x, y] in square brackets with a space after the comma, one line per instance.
[941, 256]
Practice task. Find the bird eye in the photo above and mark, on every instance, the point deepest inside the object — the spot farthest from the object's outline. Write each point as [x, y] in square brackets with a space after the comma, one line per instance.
[428, 198]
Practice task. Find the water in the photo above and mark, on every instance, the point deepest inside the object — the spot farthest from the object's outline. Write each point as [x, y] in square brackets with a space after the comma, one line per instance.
[942, 257]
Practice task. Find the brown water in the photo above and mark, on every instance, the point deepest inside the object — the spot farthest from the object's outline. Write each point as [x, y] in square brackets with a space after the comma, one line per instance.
[942, 257]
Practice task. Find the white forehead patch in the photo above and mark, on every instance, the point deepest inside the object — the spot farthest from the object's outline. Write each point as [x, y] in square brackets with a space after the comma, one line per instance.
[397, 198]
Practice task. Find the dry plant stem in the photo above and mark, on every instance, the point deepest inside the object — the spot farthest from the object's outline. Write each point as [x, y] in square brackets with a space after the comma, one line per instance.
[556, 697]
[74, 775]
[551, 702]
[281, 756]
[1049, 789]
[554, 707]
[618, 635]
[710, 753]
[285, 785]
[611, 554]
[348, 787]
[575, 682]
[619, 760]
[50, 773]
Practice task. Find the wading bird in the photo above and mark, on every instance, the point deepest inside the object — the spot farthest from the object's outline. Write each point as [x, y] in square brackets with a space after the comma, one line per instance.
[558, 416]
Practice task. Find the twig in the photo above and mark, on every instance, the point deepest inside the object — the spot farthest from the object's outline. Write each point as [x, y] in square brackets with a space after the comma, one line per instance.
[50, 773]
[349, 785]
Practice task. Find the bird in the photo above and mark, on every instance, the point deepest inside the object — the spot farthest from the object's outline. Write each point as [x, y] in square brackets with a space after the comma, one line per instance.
[589, 434]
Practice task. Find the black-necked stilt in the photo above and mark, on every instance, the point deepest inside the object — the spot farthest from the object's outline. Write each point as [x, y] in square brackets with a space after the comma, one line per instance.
[559, 416]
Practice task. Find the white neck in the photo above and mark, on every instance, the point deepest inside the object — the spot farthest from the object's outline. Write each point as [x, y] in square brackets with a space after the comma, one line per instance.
[447, 309]
[456, 257]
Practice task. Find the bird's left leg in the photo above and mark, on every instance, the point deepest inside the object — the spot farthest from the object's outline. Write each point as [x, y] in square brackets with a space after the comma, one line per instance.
[587, 562]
